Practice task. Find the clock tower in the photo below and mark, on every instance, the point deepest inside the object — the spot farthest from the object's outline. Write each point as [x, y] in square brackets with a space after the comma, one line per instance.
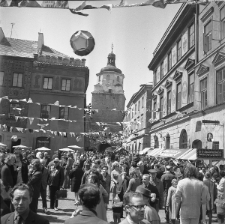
[108, 95]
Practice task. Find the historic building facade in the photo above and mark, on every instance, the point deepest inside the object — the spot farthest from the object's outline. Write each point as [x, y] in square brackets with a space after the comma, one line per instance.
[136, 121]
[108, 96]
[188, 93]
[43, 94]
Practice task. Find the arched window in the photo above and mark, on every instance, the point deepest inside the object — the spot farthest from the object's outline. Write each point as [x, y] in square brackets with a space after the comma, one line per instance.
[167, 141]
[156, 142]
[118, 79]
[183, 140]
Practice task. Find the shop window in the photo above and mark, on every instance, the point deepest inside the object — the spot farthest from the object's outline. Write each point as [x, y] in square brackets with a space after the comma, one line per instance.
[17, 80]
[47, 83]
[203, 91]
[191, 88]
[220, 85]
[183, 144]
[66, 84]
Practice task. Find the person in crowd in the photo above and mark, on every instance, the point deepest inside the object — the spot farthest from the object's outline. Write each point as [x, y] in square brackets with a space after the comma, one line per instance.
[167, 183]
[133, 183]
[34, 180]
[4, 200]
[67, 168]
[101, 208]
[30, 157]
[46, 158]
[159, 185]
[109, 164]
[154, 191]
[135, 208]
[76, 175]
[44, 183]
[106, 180]
[151, 214]
[90, 197]
[171, 202]
[56, 178]
[190, 196]
[21, 197]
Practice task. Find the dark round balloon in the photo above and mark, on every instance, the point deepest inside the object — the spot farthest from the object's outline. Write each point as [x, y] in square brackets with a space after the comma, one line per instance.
[82, 42]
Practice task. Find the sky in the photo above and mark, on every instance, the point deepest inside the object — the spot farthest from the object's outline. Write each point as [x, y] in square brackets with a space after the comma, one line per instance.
[134, 33]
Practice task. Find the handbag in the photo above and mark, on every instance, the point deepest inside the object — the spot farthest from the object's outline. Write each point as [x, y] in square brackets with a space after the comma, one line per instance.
[62, 193]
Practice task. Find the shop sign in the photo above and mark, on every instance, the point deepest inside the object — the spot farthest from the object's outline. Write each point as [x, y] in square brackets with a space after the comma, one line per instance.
[210, 154]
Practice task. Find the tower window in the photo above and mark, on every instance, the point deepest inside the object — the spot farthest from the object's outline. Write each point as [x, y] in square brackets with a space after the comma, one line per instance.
[118, 78]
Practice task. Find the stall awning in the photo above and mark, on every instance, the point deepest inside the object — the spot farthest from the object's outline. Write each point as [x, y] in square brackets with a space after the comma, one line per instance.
[155, 152]
[173, 153]
[192, 155]
[145, 150]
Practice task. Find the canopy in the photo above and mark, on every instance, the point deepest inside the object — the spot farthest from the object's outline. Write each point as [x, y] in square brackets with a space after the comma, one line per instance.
[2, 145]
[66, 150]
[173, 153]
[75, 147]
[20, 146]
[192, 155]
[145, 150]
[43, 149]
[155, 152]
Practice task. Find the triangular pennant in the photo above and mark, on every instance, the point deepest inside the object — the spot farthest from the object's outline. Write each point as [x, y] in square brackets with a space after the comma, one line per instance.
[16, 118]
[29, 100]
[31, 119]
[56, 103]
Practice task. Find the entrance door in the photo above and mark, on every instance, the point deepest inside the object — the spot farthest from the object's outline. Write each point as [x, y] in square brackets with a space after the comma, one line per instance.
[197, 144]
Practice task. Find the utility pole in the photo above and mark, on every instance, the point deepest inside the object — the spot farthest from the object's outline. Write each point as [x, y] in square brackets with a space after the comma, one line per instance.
[11, 29]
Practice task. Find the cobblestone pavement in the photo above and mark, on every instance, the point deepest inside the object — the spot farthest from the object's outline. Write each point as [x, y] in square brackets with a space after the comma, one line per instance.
[66, 207]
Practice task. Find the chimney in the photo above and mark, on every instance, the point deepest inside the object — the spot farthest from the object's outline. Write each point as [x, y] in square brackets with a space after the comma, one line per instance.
[40, 41]
[2, 35]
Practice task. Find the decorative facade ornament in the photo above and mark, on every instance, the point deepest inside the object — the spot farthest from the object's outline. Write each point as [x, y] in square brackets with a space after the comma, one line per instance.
[219, 58]
[202, 70]
[189, 64]
[177, 75]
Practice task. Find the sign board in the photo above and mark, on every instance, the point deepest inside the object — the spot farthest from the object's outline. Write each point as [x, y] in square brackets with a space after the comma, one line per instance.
[210, 154]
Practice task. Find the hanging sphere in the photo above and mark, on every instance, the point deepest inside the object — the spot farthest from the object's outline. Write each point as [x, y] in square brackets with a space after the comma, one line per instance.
[78, 138]
[82, 43]
[14, 138]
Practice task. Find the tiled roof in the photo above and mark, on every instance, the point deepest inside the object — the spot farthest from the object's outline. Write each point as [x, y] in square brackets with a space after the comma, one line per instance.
[25, 48]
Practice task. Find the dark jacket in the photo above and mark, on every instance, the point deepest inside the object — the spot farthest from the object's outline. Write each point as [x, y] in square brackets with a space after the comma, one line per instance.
[35, 181]
[31, 219]
[7, 177]
[45, 176]
[57, 179]
[24, 171]
[76, 175]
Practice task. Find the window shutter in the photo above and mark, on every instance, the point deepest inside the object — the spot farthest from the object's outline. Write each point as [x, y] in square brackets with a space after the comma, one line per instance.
[216, 30]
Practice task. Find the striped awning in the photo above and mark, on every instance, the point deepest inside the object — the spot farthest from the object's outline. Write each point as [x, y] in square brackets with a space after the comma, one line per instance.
[155, 152]
[191, 155]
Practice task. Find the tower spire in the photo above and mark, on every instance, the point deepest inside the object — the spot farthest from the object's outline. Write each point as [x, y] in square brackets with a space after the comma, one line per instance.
[112, 47]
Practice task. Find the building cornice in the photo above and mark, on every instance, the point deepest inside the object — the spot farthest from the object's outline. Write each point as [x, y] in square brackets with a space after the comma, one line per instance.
[76, 94]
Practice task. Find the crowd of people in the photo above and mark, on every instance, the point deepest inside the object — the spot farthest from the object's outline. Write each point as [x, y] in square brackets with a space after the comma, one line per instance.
[135, 186]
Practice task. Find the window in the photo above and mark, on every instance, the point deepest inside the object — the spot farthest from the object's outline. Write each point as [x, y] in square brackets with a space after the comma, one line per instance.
[191, 35]
[47, 83]
[142, 121]
[191, 88]
[45, 111]
[179, 50]
[178, 96]
[167, 141]
[66, 84]
[139, 105]
[154, 109]
[64, 113]
[161, 107]
[169, 61]
[203, 90]
[118, 79]
[183, 143]
[154, 78]
[207, 37]
[14, 109]
[216, 145]
[156, 142]
[169, 102]
[161, 70]
[222, 19]
[142, 101]
[220, 85]
[17, 79]
[1, 78]
[135, 109]
[99, 78]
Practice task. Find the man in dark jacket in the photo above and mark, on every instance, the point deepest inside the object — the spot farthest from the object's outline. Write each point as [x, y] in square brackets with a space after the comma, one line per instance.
[34, 181]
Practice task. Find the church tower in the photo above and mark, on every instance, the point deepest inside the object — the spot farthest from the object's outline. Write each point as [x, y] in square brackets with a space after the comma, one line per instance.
[108, 95]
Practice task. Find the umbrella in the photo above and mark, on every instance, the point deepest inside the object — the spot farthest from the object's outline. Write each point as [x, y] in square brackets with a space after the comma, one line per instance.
[66, 150]
[75, 147]
[20, 146]
[2, 145]
[43, 149]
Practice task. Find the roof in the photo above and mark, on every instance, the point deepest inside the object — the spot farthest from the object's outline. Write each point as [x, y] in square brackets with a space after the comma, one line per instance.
[111, 68]
[25, 48]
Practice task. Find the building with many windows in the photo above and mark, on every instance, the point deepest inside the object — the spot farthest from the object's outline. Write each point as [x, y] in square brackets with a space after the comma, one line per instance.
[43, 94]
[188, 96]
[136, 121]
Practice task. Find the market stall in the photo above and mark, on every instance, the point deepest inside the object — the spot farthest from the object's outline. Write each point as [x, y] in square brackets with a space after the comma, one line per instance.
[155, 152]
